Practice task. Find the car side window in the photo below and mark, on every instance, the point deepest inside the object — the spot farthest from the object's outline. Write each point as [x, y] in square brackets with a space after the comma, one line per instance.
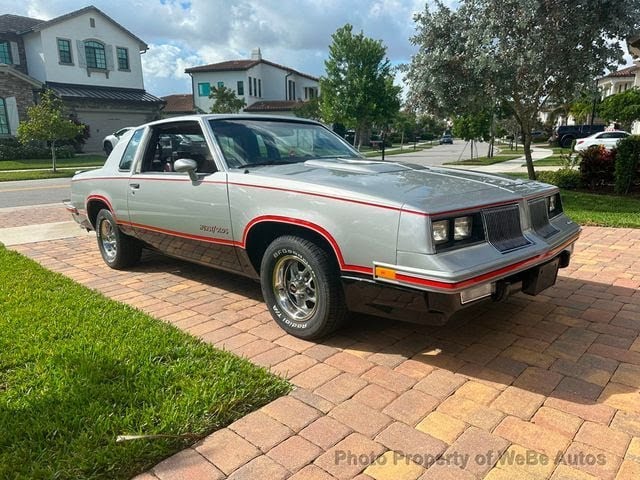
[130, 152]
[174, 141]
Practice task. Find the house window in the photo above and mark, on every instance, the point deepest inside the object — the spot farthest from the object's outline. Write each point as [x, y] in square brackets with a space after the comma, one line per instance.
[64, 51]
[204, 89]
[92, 22]
[255, 86]
[220, 84]
[5, 53]
[96, 58]
[250, 88]
[310, 93]
[240, 87]
[260, 87]
[4, 118]
[123, 58]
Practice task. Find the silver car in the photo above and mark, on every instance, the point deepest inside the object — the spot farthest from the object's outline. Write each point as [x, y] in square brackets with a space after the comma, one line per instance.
[287, 202]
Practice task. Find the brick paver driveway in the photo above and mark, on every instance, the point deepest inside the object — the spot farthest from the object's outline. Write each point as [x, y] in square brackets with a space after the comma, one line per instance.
[533, 388]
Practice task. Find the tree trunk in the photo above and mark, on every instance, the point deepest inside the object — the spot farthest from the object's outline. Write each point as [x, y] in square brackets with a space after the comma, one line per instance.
[526, 134]
[53, 155]
[402, 140]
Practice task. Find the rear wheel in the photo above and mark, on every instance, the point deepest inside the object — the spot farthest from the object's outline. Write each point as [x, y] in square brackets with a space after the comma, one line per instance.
[117, 249]
[301, 286]
[567, 141]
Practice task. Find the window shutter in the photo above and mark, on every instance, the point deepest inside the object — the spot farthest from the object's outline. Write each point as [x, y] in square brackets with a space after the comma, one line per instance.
[15, 53]
[12, 114]
[108, 52]
[82, 59]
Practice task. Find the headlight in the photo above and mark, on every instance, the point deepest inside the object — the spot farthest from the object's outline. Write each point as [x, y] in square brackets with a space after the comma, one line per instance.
[440, 231]
[462, 228]
[554, 204]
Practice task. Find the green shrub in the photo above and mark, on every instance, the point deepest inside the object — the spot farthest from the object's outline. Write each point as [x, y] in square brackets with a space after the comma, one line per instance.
[12, 149]
[546, 176]
[597, 166]
[567, 178]
[627, 163]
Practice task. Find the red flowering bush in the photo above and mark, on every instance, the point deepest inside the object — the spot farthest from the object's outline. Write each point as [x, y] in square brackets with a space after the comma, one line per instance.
[597, 167]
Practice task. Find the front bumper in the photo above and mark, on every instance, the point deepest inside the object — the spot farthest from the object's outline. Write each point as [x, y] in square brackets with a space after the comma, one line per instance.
[423, 300]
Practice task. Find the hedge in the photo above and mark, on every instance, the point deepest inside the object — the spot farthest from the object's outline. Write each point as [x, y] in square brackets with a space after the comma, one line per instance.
[627, 163]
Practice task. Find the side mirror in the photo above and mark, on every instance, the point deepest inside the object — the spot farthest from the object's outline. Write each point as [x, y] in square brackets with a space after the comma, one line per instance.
[186, 165]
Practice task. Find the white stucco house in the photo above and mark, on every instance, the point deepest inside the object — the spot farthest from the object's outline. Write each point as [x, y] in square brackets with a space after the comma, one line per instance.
[91, 61]
[624, 79]
[265, 86]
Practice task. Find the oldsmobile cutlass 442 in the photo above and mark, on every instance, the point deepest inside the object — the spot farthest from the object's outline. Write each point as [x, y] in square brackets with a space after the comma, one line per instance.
[325, 231]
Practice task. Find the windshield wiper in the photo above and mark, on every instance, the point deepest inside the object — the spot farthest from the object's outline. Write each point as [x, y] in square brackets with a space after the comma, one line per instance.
[265, 163]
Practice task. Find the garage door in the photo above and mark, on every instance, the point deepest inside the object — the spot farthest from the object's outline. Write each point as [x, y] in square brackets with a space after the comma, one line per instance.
[102, 124]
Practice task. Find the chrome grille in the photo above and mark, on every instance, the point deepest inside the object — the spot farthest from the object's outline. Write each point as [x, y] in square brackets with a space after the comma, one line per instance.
[503, 228]
[540, 218]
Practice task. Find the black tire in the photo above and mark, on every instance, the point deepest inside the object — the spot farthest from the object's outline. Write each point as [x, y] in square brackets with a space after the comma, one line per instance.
[567, 141]
[118, 250]
[318, 317]
[108, 148]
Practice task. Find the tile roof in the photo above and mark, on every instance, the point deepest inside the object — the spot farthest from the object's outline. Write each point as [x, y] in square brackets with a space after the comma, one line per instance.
[179, 103]
[625, 72]
[110, 94]
[236, 65]
[17, 23]
[272, 106]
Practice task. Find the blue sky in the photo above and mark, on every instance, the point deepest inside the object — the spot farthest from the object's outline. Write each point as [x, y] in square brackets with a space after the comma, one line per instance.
[297, 33]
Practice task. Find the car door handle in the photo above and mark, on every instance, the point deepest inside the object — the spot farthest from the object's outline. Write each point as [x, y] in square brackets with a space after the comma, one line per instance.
[134, 186]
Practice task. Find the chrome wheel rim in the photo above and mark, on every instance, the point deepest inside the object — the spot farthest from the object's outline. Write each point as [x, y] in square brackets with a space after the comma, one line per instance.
[108, 239]
[294, 286]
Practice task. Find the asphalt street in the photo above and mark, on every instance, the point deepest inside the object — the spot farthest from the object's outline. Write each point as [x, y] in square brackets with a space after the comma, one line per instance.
[440, 154]
[34, 192]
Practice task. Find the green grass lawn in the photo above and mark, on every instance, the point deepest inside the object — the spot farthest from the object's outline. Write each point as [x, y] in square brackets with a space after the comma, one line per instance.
[598, 209]
[553, 160]
[77, 370]
[484, 160]
[77, 161]
[35, 175]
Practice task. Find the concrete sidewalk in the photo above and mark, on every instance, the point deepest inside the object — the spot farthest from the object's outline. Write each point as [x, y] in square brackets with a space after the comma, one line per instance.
[21, 225]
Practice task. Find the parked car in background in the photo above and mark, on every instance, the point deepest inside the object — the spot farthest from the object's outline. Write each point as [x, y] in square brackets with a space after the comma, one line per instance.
[564, 135]
[110, 141]
[607, 139]
[289, 203]
[446, 138]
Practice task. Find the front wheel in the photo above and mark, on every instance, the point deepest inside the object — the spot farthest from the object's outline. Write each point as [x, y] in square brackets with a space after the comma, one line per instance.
[117, 249]
[301, 286]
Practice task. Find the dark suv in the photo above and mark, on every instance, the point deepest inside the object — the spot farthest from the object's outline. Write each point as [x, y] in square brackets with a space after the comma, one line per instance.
[566, 134]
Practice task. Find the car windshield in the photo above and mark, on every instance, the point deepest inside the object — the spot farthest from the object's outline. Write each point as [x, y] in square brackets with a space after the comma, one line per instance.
[246, 142]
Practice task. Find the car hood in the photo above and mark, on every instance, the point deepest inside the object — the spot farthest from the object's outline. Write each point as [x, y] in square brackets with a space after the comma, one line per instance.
[428, 189]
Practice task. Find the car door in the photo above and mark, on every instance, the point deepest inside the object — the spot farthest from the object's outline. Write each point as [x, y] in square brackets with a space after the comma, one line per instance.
[183, 218]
